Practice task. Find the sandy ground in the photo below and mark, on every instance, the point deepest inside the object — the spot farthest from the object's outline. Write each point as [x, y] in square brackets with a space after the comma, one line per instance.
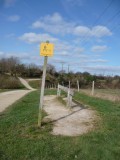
[68, 122]
[8, 98]
[33, 79]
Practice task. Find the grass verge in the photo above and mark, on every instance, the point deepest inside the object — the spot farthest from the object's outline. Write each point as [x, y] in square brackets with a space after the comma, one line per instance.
[21, 138]
[10, 82]
[35, 84]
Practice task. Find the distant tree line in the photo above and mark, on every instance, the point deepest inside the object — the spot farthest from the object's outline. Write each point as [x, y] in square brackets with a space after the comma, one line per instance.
[12, 66]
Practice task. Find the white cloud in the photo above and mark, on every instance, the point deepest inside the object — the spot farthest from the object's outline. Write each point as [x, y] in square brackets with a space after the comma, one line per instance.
[1, 53]
[63, 53]
[37, 24]
[56, 24]
[99, 48]
[53, 24]
[82, 31]
[102, 69]
[97, 61]
[14, 18]
[86, 60]
[63, 46]
[23, 56]
[97, 31]
[37, 38]
[82, 65]
[78, 50]
[9, 3]
[100, 31]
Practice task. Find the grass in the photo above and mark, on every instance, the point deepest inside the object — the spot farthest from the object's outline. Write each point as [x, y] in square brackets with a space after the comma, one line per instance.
[35, 84]
[21, 139]
[110, 94]
[109, 91]
[10, 82]
[5, 90]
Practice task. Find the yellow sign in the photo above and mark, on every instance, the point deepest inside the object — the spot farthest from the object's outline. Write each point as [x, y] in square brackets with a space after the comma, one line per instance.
[46, 49]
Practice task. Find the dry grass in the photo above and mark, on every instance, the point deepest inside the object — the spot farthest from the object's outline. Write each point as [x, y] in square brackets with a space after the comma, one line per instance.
[109, 94]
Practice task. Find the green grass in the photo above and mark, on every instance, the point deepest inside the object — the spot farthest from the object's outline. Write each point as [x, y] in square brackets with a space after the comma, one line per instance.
[21, 139]
[35, 84]
[5, 90]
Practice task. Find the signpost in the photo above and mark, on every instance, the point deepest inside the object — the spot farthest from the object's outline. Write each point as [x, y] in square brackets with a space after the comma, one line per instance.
[46, 49]
[78, 85]
[93, 87]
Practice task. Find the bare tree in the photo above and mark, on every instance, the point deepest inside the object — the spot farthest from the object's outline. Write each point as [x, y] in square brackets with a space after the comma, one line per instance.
[12, 64]
[51, 69]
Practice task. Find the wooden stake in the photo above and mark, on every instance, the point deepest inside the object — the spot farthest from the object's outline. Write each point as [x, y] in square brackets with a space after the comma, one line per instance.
[69, 84]
[78, 86]
[42, 91]
[93, 87]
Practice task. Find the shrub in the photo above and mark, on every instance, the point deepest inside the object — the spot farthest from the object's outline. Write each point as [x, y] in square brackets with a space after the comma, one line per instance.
[8, 82]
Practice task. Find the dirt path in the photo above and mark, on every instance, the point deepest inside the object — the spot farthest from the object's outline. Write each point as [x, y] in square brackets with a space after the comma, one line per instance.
[8, 98]
[25, 83]
[68, 122]
[33, 79]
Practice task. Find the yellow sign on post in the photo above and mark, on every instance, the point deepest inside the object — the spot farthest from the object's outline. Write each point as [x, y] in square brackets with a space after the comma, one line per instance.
[46, 49]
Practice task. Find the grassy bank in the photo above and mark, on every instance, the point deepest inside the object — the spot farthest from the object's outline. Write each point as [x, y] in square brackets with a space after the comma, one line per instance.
[21, 138]
[4, 90]
[35, 84]
[110, 94]
[10, 82]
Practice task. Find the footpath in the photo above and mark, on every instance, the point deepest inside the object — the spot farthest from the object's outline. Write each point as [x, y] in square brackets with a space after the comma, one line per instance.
[8, 98]
[68, 121]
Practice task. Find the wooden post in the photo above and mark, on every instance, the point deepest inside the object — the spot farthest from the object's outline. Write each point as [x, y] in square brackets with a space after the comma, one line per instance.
[69, 84]
[70, 103]
[42, 91]
[68, 98]
[58, 91]
[93, 87]
[78, 86]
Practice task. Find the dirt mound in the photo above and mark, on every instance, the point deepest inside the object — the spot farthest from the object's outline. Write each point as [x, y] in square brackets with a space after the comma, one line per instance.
[68, 122]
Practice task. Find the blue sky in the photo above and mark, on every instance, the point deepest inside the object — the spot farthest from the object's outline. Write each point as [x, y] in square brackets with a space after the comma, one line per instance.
[86, 33]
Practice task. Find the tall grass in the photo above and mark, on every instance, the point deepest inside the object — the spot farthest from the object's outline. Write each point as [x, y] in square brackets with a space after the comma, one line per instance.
[9, 82]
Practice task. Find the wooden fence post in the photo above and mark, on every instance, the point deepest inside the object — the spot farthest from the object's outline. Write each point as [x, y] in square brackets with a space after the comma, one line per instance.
[68, 98]
[78, 86]
[69, 84]
[93, 87]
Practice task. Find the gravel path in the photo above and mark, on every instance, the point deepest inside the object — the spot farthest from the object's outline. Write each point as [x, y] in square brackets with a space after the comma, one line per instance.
[8, 98]
[25, 83]
[69, 122]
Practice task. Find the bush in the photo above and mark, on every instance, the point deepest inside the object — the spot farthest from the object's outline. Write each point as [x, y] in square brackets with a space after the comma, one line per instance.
[8, 82]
